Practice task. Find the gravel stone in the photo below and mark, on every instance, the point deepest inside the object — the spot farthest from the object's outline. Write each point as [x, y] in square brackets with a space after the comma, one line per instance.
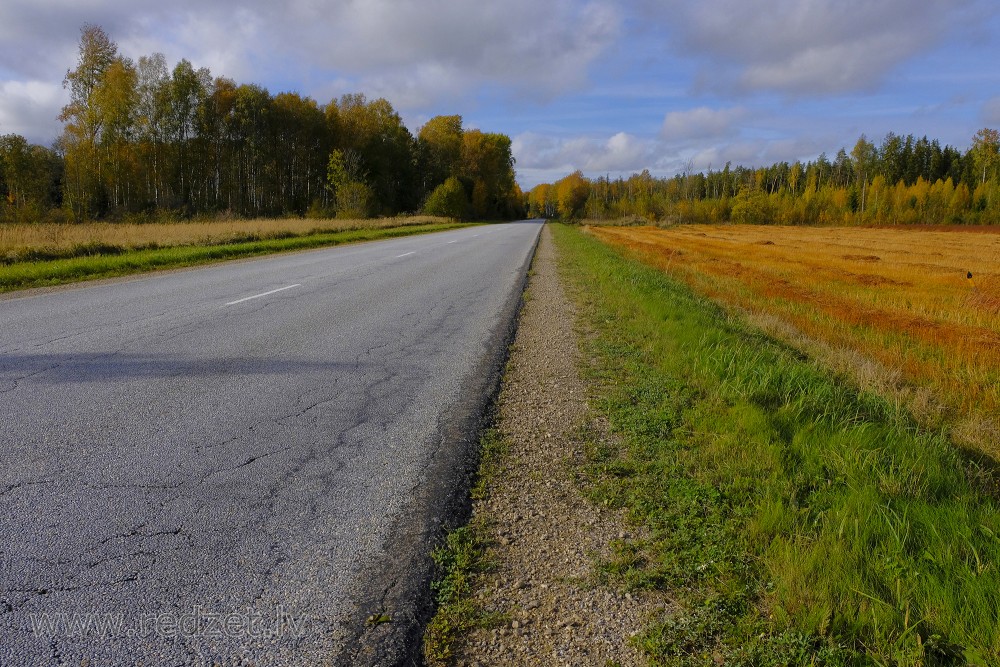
[545, 534]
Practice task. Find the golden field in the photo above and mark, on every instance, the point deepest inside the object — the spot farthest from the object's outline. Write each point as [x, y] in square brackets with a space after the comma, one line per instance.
[891, 308]
[17, 240]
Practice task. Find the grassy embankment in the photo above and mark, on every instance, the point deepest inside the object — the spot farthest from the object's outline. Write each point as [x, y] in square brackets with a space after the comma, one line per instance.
[795, 519]
[52, 254]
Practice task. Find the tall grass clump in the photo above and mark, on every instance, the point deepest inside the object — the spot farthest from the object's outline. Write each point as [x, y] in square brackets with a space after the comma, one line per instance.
[795, 519]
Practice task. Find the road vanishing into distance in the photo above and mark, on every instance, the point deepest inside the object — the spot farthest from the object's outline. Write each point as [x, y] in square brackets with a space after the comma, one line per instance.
[240, 464]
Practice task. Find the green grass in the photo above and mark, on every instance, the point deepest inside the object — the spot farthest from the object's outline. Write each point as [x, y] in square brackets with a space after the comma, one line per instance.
[795, 520]
[108, 262]
[460, 560]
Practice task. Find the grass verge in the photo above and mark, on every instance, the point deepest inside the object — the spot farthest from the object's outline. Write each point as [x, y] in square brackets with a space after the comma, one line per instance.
[459, 560]
[795, 520]
[117, 262]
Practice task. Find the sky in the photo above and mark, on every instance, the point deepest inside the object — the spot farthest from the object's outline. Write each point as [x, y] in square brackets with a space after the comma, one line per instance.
[610, 88]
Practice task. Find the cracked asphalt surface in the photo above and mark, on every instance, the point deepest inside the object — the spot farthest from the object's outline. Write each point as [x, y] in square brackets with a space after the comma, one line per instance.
[192, 478]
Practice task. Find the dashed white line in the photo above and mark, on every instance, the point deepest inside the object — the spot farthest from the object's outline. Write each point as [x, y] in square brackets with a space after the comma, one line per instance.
[406, 254]
[257, 296]
[450, 242]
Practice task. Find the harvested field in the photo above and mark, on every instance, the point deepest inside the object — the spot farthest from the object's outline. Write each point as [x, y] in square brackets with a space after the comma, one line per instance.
[43, 240]
[893, 308]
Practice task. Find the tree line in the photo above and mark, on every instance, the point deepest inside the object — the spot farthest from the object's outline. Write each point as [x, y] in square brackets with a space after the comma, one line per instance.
[141, 140]
[902, 180]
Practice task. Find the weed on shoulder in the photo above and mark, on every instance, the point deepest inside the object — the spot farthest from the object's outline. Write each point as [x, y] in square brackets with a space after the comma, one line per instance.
[460, 560]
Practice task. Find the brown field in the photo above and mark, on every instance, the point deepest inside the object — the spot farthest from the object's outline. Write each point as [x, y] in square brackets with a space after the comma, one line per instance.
[16, 240]
[892, 308]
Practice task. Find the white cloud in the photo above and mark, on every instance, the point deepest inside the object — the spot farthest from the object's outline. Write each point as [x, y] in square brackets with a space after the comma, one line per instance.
[231, 43]
[622, 152]
[546, 159]
[417, 53]
[429, 49]
[538, 46]
[29, 108]
[537, 151]
[809, 46]
[700, 123]
[750, 153]
[618, 153]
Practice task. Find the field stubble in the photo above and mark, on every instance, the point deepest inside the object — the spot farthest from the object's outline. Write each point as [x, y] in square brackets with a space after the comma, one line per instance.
[892, 309]
[19, 242]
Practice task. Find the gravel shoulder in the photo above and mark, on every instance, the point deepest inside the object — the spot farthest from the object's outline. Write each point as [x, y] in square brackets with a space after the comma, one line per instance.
[544, 535]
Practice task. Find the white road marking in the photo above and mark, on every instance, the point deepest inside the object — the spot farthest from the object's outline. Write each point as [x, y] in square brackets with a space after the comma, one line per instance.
[450, 242]
[405, 254]
[257, 296]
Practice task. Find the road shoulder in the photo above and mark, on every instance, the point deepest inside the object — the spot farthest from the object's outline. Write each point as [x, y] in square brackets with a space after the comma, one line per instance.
[541, 599]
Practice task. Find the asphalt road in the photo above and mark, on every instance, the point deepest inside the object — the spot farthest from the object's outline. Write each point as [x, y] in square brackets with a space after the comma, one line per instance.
[239, 464]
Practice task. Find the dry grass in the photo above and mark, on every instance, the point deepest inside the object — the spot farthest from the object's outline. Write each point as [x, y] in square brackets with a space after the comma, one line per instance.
[18, 241]
[891, 308]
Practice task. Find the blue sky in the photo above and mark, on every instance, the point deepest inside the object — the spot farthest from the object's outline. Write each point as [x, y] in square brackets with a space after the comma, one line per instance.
[605, 87]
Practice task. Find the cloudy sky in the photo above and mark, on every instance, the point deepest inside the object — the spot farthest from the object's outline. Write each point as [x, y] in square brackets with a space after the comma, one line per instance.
[606, 87]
